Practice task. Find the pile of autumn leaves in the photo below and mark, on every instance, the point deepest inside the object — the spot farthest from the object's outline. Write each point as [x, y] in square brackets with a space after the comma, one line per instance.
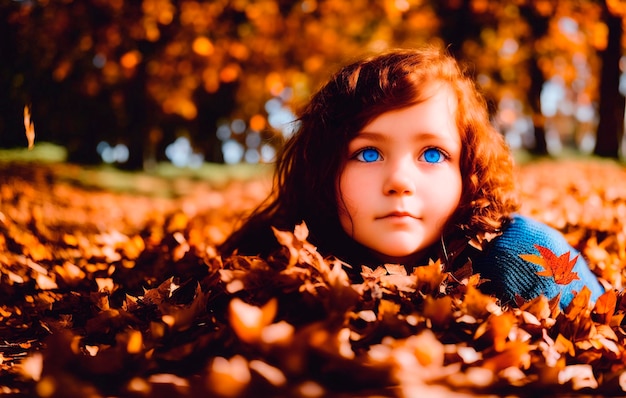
[111, 294]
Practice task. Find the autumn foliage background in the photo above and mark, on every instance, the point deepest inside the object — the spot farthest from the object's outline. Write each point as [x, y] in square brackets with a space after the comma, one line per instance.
[110, 282]
[229, 74]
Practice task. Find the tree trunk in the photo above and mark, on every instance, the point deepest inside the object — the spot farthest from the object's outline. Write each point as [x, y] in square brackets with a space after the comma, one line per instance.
[539, 26]
[611, 124]
[458, 25]
[211, 107]
[137, 127]
[12, 99]
[534, 100]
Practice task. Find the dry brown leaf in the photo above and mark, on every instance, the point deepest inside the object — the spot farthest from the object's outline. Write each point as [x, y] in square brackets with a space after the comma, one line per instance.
[512, 354]
[248, 320]
[605, 307]
[498, 327]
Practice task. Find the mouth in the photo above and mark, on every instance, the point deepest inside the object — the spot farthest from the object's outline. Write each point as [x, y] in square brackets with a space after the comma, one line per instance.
[399, 214]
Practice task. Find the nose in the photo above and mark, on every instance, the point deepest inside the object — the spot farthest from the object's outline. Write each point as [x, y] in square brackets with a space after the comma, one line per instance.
[400, 178]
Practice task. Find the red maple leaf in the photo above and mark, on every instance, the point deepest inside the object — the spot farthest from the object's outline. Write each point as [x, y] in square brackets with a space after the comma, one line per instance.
[557, 267]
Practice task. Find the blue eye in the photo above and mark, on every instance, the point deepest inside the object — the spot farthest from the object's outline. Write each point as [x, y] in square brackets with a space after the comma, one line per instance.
[433, 155]
[368, 155]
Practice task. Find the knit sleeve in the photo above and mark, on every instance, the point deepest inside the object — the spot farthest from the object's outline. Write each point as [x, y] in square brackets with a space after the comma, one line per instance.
[508, 275]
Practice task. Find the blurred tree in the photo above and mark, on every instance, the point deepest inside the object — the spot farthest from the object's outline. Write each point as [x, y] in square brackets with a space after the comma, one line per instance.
[461, 24]
[144, 72]
[12, 100]
[499, 46]
[93, 71]
[611, 125]
[124, 69]
[537, 17]
[546, 62]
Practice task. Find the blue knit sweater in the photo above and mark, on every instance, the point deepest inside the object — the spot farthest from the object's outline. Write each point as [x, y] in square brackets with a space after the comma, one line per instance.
[510, 275]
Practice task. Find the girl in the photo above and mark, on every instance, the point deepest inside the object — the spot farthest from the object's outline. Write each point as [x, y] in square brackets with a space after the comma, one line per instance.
[395, 161]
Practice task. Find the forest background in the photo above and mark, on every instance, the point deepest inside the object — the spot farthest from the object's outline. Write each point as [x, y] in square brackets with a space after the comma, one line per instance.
[135, 83]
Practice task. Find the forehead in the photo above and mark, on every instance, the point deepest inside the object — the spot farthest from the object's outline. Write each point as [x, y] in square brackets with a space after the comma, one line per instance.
[412, 94]
[435, 108]
[442, 90]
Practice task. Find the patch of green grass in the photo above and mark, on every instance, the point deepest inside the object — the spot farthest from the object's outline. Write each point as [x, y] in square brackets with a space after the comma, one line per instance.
[41, 152]
[165, 180]
[217, 174]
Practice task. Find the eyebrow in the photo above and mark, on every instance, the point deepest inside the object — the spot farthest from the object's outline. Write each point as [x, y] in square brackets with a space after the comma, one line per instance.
[382, 137]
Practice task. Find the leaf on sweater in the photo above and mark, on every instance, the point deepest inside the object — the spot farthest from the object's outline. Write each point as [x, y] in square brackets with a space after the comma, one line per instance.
[557, 267]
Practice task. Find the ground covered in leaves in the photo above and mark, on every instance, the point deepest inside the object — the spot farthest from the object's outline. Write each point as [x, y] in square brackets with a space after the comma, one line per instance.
[106, 293]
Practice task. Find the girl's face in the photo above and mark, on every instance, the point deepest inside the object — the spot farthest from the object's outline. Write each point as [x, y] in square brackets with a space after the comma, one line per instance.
[401, 181]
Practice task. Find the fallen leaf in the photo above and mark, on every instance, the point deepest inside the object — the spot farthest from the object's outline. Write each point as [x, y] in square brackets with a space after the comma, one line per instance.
[135, 342]
[369, 274]
[498, 327]
[228, 377]
[580, 376]
[605, 307]
[248, 320]
[513, 353]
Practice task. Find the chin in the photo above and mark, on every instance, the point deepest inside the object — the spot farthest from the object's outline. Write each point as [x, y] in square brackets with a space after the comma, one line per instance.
[400, 256]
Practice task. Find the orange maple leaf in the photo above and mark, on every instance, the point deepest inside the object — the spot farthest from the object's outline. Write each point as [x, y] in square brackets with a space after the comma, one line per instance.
[557, 267]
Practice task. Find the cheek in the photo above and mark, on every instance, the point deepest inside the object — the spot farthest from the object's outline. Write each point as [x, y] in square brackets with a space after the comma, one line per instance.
[344, 206]
[444, 194]
[455, 194]
[461, 191]
[459, 187]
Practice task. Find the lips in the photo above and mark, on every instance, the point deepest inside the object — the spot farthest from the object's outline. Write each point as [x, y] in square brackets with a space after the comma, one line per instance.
[399, 214]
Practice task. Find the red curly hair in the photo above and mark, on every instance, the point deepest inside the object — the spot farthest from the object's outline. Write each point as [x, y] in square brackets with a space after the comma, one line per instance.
[311, 161]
